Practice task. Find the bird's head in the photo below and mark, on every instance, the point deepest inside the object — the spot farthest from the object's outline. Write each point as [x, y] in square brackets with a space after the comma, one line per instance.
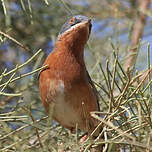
[76, 30]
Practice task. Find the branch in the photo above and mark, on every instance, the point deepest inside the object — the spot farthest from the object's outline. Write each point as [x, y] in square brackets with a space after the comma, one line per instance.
[137, 34]
[15, 41]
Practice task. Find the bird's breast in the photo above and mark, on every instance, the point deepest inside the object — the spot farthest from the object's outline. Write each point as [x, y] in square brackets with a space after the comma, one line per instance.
[64, 84]
[65, 66]
[64, 110]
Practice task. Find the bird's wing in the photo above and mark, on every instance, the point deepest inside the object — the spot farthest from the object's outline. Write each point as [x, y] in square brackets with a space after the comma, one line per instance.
[93, 89]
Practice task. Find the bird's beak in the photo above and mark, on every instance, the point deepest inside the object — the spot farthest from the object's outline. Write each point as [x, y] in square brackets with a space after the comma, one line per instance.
[90, 25]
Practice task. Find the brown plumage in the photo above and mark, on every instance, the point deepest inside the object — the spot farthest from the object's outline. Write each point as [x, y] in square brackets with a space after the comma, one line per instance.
[65, 82]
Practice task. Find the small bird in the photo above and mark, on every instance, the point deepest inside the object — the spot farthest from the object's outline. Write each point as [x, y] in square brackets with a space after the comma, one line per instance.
[65, 83]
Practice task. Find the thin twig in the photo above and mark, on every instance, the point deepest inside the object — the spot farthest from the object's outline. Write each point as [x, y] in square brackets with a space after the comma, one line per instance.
[15, 41]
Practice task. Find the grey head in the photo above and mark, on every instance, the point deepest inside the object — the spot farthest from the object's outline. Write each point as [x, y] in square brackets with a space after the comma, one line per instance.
[73, 21]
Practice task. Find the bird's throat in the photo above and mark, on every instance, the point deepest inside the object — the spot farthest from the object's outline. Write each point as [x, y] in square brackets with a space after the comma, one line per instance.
[75, 49]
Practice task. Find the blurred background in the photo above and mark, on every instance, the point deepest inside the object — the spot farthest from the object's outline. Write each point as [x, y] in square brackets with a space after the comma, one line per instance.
[36, 24]
[27, 26]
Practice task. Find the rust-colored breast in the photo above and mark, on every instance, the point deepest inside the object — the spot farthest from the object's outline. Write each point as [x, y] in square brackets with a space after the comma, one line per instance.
[65, 84]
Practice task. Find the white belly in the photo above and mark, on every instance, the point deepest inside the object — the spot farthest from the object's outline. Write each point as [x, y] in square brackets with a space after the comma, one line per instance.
[63, 112]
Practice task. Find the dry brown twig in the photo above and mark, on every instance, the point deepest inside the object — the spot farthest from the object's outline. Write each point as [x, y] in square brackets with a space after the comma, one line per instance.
[137, 34]
[14, 40]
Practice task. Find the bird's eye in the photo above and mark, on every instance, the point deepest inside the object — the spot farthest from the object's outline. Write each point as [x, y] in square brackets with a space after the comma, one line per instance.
[72, 21]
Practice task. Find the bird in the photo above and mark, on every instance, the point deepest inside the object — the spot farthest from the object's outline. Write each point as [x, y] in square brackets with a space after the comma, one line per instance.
[65, 84]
